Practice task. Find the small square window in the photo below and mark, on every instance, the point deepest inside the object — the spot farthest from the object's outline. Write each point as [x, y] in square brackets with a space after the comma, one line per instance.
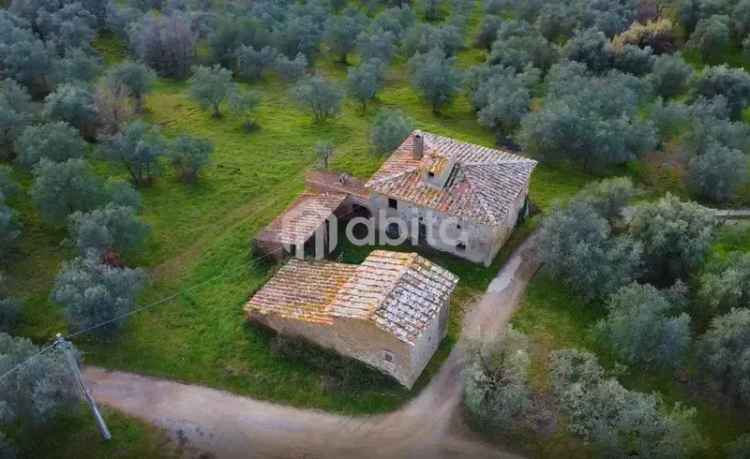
[458, 226]
[431, 174]
[461, 247]
[388, 356]
[392, 203]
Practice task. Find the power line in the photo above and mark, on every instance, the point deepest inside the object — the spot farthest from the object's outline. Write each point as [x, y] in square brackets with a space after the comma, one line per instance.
[136, 311]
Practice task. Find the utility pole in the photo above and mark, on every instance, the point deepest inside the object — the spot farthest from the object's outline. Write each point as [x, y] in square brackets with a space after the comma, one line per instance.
[67, 350]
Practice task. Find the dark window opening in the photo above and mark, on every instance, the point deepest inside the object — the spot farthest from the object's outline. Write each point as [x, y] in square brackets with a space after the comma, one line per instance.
[393, 230]
[388, 356]
[461, 247]
[393, 204]
[431, 174]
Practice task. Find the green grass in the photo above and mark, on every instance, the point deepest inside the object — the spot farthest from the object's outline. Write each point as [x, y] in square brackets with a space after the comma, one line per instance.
[204, 230]
[74, 434]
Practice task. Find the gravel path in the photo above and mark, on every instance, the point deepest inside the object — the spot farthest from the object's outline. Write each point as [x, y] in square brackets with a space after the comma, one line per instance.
[212, 423]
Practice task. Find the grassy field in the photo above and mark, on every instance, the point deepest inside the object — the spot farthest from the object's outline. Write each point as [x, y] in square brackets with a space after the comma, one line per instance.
[202, 232]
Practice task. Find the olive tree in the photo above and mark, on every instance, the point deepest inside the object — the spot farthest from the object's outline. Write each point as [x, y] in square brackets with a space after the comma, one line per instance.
[291, 69]
[211, 87]
[252, 62]
[609, 197]
[15, 114]
[503, 99]
[77, 66]
[377, 44]
[38, 390]
[113, 228]
[75, 105]
[643, 327]
[738, 449]
[166, 43]
[389, 130]
[711, 35]
[732, 83]
[57, 142]
[114, 108]
[723, 354]
[94, 293]
[619, 423]
[676, 236]
[364, 81]
[60, 189]
[244, 104]
[10, 228]
[670, 76]
[725, 284]
[496, 380]
[138, 148]
[435, 77]
[135, 77]
[188, 155]
[718, 173]
[340, 31]
[319, 96]
[578, 248]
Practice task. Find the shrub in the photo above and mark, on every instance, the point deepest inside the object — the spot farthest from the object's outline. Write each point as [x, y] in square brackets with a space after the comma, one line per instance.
[657, 34]
[319, 96]
[57, 142]
[114, 108]
[676, 236]
[113, 228]
[389, 130]
[60, 189]
[642, 327]
[94, 293]
[189, 155]
[496, 381]
[723, 352]
[138, 148]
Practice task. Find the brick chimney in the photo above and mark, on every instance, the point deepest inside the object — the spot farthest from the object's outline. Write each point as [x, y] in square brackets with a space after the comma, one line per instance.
[418, 148]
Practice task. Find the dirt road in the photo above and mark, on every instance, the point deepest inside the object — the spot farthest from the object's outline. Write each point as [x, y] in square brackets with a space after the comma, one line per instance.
[213, 423]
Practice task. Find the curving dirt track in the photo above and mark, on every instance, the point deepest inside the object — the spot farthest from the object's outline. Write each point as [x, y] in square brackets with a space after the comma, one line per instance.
[212, 423]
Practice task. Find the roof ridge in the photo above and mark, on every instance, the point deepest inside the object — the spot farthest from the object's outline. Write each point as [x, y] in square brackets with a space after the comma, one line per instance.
[501, 161]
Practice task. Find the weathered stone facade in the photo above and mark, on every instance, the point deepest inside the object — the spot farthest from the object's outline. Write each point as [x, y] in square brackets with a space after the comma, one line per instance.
[458, 198]
[390, 312]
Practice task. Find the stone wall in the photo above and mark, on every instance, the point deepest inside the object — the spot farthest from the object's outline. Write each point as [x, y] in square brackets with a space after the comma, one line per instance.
[358, 339]
[481, 242]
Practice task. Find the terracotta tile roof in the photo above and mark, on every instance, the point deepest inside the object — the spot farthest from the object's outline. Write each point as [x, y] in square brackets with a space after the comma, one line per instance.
[300, 220]
[302, 290]
[400, 293]
[318, 180]
[482, 185]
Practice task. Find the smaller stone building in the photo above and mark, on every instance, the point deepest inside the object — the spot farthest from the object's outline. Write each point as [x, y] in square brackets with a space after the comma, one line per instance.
[390, 312]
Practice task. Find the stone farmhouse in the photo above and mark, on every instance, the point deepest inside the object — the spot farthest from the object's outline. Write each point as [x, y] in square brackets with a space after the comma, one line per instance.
[475, 195]
[390, 312]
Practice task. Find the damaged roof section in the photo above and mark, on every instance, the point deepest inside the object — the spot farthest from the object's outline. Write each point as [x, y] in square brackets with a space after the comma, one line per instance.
[400, 293]
[482, 185]
[302, 218]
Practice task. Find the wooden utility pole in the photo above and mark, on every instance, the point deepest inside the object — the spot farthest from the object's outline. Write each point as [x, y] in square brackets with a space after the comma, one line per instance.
[67, 349]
